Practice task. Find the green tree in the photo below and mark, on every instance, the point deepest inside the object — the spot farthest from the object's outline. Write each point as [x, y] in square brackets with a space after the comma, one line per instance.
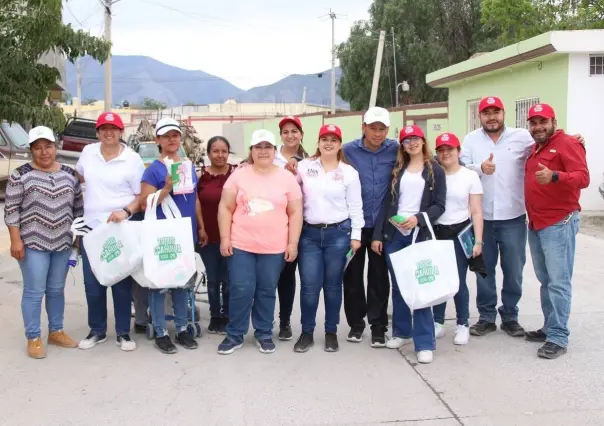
[29, 29]
[150, 103]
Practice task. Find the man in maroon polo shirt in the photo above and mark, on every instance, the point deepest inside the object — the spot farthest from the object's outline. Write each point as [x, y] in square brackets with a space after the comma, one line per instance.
[556, 171]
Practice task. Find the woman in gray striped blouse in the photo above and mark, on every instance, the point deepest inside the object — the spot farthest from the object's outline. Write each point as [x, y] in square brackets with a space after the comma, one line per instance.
[42, 200]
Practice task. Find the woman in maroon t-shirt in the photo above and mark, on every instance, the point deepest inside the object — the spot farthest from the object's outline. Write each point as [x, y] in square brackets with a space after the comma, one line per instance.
[209, 190]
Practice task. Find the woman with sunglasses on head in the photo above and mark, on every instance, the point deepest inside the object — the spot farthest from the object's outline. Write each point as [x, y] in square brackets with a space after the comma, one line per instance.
[418, 186]
[333, 219]
[464, 200]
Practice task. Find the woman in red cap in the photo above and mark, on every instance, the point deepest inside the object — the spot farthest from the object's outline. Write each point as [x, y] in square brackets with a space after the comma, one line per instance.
[333, 219]
[290, 129]
[418, 186]
[463, 189]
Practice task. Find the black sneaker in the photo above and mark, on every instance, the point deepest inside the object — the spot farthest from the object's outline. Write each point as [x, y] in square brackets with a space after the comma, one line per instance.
[223, 325]
[185, 340]
[165, 345]
[227, 347]
[92, 340]
[215, 325]
[550, 351]
[304, 343]
[512, 328]
[125, 343]
[378, 339]
[285, 332]
[140, 329]
[356, 334]
[266, 346]
[482, 327]
[331, 342]
[536, 336]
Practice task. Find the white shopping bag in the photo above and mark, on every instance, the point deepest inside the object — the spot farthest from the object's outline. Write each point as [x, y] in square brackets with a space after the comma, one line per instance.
[426, 272]
[168, 248]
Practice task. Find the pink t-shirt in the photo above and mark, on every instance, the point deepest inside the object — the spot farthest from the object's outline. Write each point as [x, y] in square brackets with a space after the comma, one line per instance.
[260, 221]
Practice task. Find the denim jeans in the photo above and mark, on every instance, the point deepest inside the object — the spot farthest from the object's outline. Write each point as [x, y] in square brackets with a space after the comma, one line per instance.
[322, 253]
[553, 254]
[180, 304]
[44, 274]
[218, 279]
[286, 290]
[462, 298]
[421, 325]
[508, 238]
[96, 298]
[253, 283]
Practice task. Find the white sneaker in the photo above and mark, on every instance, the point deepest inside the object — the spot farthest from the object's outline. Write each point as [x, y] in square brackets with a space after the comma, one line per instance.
[462, 335]
[424, 357]
[92, 340]
[439, 330]
[125, 343]
[397, 342]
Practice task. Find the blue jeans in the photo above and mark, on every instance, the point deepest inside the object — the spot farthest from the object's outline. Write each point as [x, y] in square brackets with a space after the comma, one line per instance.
[508, 238]
[218, 279]
[421, 326]
[462, 298]
[253, 284]
[96, 298]
[180, 304]
[322, 253]
[553, 253]
[44, 274]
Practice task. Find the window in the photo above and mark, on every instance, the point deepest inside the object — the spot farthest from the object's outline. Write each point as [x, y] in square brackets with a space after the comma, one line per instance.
[522, 110]
[596, 65]
[473, 116]
[15, 133]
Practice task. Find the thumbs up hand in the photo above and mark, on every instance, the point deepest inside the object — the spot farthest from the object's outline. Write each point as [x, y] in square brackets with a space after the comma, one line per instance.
[488, 166]
[543, 175]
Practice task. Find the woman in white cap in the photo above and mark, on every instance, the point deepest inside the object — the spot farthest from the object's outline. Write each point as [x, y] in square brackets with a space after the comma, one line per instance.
[42, 200]
[260, 219]
[112, 173]
[333, 219]
[157, 178]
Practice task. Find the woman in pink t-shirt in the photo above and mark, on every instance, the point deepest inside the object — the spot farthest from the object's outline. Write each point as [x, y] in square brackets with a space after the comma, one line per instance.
[260, 220]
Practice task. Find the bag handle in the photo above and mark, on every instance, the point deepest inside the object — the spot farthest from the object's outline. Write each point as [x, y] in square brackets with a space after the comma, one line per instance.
[170, 209]
[428, 224]
[151, 210]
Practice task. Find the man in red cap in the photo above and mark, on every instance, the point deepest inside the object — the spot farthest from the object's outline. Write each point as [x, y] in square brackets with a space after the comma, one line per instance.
[556, 171]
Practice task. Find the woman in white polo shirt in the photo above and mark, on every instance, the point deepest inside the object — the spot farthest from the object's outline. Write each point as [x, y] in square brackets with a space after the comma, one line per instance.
[333, 219]
[112, 173]
[464, 197]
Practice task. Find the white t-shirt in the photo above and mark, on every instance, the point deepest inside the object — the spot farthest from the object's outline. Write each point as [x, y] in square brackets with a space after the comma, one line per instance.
[110, 185]
[459, 188]
[279, 160]
[411, 191]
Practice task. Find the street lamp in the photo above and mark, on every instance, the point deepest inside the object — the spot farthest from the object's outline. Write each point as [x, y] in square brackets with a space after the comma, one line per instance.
[405, 86]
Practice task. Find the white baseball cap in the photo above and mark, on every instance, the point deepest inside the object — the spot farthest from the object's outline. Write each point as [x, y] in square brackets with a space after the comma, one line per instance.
[166, 124]
[262, 135]
[377, 114]
[41, 132]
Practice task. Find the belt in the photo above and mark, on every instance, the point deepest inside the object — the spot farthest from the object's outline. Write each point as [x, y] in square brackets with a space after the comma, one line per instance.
[459, 226]
[324, 225]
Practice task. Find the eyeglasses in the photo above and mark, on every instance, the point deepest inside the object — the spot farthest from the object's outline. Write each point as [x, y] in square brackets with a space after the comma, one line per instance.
[411, 139]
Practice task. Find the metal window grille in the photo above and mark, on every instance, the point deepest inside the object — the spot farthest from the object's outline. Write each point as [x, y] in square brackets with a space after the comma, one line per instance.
[522, 110]
[473, 116]
[596, 65]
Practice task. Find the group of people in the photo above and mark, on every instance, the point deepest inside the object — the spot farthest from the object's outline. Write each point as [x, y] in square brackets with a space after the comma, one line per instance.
[282, 209]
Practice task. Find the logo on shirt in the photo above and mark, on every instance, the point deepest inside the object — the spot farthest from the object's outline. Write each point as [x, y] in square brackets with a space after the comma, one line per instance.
[167, 249]
[255, 206]
[426, 272]
[312, 173]
[338, 176]
[112, 249]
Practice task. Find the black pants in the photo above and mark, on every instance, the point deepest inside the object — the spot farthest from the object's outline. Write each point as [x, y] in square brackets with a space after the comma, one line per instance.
[286, 288]
[375, 306]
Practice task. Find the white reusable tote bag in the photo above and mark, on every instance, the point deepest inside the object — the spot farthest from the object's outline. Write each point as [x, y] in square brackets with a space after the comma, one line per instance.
[168, 249]
[426, 272]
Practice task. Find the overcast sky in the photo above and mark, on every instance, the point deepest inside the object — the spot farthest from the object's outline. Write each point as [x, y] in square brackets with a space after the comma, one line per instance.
[247, 42]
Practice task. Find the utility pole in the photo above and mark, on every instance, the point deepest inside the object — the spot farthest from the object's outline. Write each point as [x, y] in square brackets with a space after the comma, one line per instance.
[333, 17]
[108, 4]
[394, 66]
[376, 72]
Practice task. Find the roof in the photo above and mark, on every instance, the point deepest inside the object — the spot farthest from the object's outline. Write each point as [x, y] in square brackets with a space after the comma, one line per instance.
[553, 42]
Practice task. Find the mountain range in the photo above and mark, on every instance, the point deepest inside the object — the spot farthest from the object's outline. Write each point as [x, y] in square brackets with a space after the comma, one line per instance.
[137, 77]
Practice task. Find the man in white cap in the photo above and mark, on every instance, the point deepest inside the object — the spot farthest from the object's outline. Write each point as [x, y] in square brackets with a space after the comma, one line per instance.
[373, 156]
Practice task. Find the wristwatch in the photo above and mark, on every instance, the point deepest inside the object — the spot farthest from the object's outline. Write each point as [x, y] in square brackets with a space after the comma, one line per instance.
[555, 177]
[127, 210]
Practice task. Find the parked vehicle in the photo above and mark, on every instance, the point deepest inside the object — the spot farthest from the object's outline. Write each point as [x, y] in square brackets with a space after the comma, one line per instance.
[14, 152]
[149, 152]
[601, 188]
[78, 133]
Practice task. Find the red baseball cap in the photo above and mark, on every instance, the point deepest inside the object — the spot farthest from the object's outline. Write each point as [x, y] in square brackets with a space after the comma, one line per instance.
[447, 139]
[490, 101]
[330, 129]
[409, 131]
[541, 110]
[110, 118]
[290, 119]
